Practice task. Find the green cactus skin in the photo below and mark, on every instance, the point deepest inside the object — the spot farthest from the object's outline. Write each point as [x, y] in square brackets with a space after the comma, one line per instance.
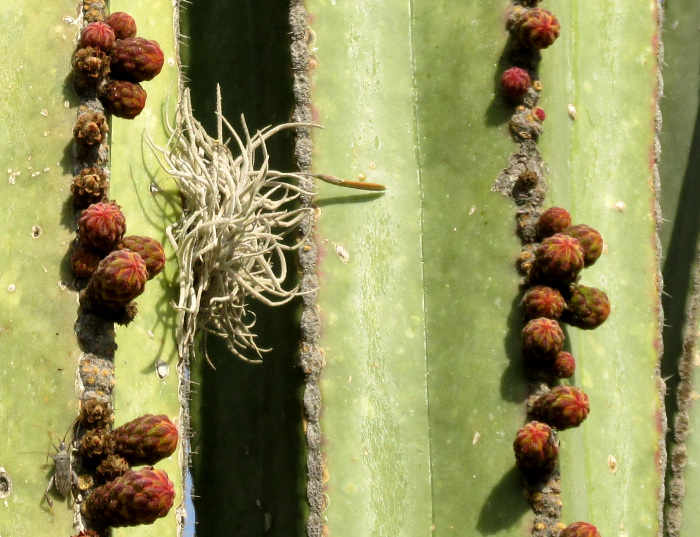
[617, 362]
[452, 99]
[612, 117]
[38, 351]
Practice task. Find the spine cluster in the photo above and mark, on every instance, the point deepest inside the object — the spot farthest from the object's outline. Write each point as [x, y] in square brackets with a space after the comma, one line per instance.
[111, 270]
[554, 255]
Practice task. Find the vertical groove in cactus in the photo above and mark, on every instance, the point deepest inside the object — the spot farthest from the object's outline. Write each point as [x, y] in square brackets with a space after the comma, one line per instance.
[249, 450]
[680, 166]
[149, 339]
[440, 239]
[38, 350]
[682, 474]
[680, 140]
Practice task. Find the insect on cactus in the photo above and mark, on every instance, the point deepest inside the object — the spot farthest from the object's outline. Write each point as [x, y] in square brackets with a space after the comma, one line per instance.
[64, 477]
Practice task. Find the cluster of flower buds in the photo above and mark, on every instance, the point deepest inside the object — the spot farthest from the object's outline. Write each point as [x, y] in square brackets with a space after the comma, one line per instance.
[532, 29]
[112, 62]
[117, 266]
[112, 269]
[129, 497]
[136, 497]
[555, 295]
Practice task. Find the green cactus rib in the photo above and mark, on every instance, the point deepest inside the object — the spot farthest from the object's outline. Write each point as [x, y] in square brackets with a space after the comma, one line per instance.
[390, 455]
[602, 170]
[150, 203]
[679, 167]
[423, 389]
[38, 351]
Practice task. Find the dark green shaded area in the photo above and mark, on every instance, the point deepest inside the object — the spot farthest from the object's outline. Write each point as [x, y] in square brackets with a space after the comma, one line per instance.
[243, 45]
[680, 198]
[680, 173]
[249, 450]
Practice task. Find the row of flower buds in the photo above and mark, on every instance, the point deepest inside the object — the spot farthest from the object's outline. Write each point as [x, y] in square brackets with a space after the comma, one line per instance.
[555, 295]
[128, 497]
[552, 268]
[112, 61]
[117, 266]
[532, 29]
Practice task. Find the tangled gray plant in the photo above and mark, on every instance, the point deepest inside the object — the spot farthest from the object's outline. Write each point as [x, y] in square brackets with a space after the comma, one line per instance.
[229, 242]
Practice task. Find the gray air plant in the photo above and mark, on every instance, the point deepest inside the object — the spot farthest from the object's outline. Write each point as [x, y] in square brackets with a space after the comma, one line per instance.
[230, 241]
